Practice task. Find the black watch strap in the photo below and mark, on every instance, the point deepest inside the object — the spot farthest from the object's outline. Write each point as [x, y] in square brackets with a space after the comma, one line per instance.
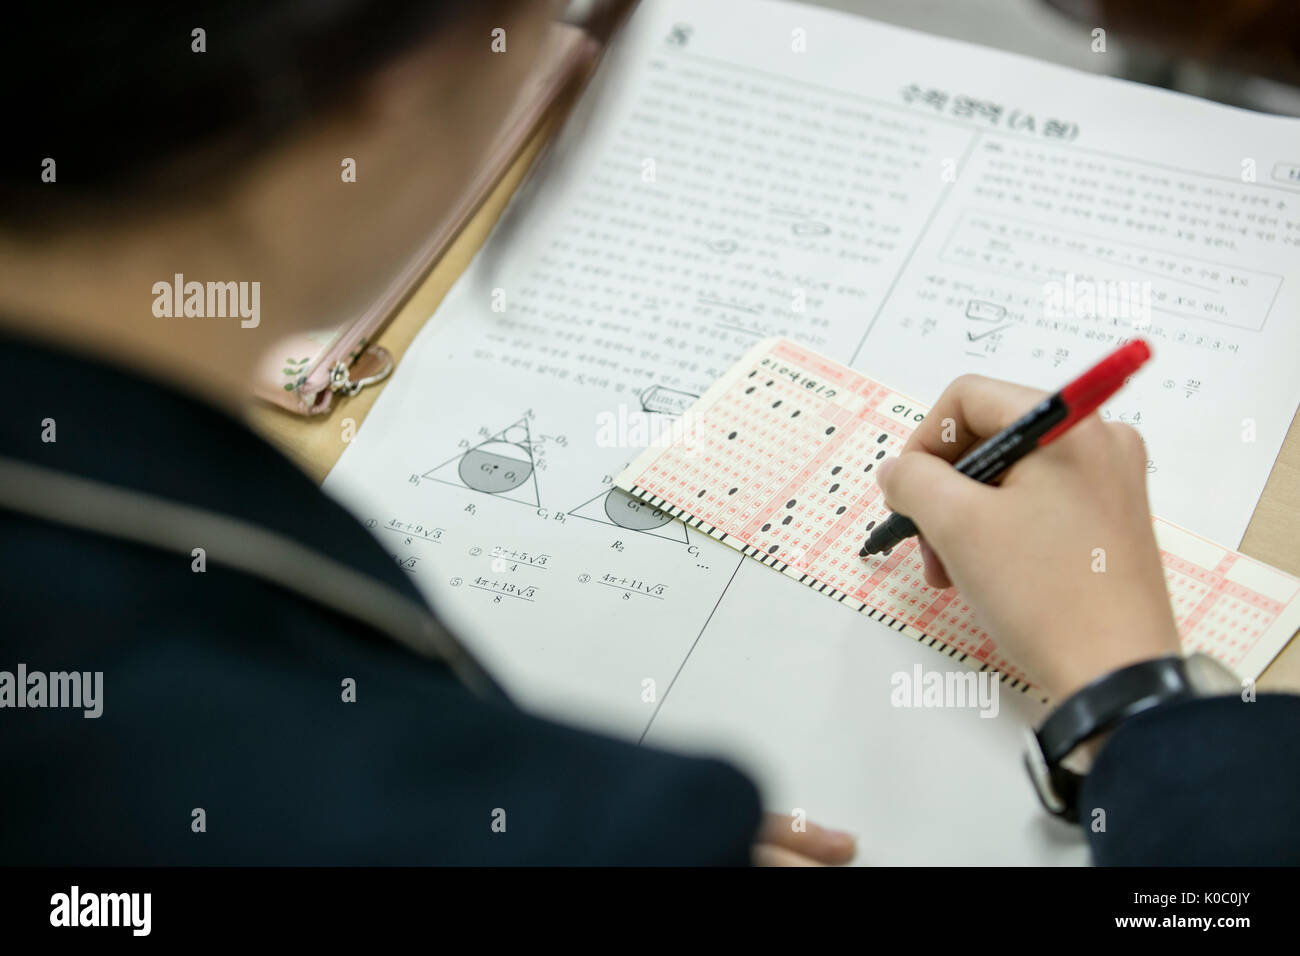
[1109, 699]
[1097, 708]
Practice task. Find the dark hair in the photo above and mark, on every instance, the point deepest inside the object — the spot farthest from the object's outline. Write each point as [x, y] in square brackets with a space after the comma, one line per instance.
[119, 98]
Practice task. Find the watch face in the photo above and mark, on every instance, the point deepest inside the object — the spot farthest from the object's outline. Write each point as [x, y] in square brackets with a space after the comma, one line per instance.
[1209, 678]
[1040, 775]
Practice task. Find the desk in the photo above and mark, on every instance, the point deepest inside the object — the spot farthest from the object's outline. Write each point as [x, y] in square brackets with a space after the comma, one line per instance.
[316, 443]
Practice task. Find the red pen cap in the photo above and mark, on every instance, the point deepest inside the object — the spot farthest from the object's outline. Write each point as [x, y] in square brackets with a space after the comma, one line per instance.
[1087, 392]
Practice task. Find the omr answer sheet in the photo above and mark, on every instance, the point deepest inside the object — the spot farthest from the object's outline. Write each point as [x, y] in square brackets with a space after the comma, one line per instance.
[911, 206]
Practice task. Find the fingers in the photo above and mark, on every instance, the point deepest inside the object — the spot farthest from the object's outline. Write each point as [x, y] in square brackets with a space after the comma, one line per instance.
[936, 575]
[971, 408]
[921, 483]
[1132, 449]
[927, 489]
[814, 842]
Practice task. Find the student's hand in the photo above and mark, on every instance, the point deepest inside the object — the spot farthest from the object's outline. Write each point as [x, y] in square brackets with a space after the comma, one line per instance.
[1059, 561]
[779, 844]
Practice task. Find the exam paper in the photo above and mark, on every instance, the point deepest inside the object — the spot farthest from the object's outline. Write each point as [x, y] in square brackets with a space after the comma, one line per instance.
[910, 206]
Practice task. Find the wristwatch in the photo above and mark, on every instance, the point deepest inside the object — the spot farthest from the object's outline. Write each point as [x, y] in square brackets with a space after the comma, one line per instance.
[1101, 706]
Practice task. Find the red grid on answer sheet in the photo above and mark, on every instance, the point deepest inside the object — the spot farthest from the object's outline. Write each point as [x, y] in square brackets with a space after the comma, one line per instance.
[777, 461]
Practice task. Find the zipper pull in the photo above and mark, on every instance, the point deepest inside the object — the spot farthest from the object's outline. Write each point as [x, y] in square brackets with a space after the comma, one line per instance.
[373, 365]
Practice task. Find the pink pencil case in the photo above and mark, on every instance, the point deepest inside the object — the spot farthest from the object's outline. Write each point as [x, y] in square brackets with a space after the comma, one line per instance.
[304, 372]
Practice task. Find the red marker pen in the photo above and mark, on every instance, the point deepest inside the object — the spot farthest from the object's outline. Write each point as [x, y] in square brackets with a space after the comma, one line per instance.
[1046, 422]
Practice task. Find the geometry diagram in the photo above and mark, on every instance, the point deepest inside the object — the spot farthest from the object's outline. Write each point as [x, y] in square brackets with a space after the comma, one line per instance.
[621, 510]
[502, 466]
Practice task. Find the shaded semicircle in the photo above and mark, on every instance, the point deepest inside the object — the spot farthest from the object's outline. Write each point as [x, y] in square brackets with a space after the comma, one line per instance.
[628, 512]
[496, 467]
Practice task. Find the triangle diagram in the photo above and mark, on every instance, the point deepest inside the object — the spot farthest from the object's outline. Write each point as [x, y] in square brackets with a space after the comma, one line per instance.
[502, 466]
[618, 509]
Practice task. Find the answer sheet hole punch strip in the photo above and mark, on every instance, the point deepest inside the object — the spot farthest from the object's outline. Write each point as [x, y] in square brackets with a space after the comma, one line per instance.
[777, 460]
